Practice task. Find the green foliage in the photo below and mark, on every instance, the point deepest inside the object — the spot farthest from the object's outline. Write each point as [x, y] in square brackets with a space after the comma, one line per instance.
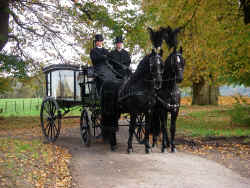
[11, 64]
[111, 18]
[240, 114]
[5, 85]
[215, 39]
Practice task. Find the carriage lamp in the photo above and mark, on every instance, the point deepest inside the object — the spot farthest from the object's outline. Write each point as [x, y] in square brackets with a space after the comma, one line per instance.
[81, 81]
[81, 78]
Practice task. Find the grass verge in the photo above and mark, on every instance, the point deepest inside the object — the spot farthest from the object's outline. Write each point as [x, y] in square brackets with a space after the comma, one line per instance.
[212, 121]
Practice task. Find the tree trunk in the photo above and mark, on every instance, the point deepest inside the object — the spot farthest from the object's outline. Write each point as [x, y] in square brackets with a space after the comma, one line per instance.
[4, 22]
[205, 94]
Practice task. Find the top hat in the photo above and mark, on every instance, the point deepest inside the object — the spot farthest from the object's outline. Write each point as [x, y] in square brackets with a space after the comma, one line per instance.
[119, 39]
[99, 37]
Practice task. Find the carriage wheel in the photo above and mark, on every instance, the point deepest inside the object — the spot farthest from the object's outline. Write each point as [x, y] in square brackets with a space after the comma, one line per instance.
[96, 118]
[85, 128]
[140, 128]
[50, 116]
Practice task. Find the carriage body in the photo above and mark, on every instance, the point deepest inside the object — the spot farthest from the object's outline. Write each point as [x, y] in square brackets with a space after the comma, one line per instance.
[69, 87]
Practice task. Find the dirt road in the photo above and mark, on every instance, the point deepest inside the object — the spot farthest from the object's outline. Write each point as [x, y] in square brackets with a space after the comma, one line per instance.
[97, 166]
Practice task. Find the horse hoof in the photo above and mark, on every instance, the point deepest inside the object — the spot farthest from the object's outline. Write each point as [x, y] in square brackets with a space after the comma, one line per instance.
[147, 151]
[130, 150]
[173, 150]
[113, 148]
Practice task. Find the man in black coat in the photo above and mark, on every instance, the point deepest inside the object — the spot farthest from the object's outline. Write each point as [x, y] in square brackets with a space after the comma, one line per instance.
[120, 56]
[107, 86]
[99, 58]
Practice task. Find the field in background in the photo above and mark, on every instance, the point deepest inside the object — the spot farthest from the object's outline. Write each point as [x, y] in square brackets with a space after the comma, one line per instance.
[25, 107]
[223, 100]
[31, 106]
[20, 107]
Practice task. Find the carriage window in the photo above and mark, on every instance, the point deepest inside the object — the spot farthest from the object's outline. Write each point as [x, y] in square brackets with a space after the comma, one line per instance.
[63, 84]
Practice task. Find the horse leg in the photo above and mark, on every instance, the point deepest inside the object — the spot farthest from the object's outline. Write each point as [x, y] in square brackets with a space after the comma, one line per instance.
[154, 141]
[166, 128]
[163, 117]
[156, 121]
[113, 122]
[174, 115]
[147, 130]
[131, 132]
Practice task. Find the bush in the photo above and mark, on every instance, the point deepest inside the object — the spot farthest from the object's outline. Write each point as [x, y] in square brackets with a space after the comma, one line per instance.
[240, 114]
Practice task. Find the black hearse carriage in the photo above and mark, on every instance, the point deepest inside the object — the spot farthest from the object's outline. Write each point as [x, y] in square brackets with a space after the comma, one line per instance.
[68, 87]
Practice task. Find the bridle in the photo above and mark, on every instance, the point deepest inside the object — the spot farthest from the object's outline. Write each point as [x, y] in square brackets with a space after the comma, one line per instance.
[156, 62]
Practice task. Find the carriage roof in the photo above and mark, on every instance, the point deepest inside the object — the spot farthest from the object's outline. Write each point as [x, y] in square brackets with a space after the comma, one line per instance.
[55, 67]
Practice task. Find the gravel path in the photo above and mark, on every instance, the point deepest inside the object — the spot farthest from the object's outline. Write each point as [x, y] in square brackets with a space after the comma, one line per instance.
[97, 166]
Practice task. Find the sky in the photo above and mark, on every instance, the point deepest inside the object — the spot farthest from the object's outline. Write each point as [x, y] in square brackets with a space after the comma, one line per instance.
[37, 52]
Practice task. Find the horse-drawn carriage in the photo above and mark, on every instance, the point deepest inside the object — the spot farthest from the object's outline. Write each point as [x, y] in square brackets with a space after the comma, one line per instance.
[147, 96]
[70, 86]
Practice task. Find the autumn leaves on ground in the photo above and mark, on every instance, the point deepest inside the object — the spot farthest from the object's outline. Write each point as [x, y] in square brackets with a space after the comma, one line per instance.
[219, 133]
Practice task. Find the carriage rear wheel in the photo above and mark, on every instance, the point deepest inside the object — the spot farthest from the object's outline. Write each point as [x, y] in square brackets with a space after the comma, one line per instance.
[140, 128]
[85, 128]
[50, 117]
[96, 118]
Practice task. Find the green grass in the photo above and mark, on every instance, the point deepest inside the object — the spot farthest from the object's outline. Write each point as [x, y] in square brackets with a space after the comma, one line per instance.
[211, 123]
[20, 107]
[26, 107]
[240, 114]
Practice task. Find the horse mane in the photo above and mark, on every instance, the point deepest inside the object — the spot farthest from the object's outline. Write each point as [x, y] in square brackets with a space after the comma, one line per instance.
[156, 37]
[141, 69]
[170, 36]
[168, 65]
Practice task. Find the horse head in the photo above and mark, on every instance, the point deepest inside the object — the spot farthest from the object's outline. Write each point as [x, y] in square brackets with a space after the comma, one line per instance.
[174, 66]
[155, 61]
[156, 69]
[156, 37]
[170, 36]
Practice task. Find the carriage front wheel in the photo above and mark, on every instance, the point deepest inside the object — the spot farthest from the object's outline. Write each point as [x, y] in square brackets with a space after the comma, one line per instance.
[85, 128]
[50, 117]
[140, 128]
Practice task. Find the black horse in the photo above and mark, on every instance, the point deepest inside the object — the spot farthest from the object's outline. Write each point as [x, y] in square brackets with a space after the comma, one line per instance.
[168, 97]
[137, 94]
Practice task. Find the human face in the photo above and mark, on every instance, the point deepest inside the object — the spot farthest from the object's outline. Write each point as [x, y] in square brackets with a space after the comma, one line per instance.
[98, 43]
[119, 45]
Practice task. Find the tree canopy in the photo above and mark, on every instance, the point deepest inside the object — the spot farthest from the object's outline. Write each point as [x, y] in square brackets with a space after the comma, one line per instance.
[215, 38]
[215, 35]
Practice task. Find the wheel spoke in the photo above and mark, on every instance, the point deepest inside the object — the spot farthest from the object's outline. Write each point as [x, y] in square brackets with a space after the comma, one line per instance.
[54, 130]
[50, 121]
[46, 109]
[51, 109]
[51, 132]
[48, 130]
[47, 126]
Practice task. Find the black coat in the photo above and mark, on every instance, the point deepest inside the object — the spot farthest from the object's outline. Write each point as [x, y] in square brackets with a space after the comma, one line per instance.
[107, 82]
[121, 57]
[99, 56]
